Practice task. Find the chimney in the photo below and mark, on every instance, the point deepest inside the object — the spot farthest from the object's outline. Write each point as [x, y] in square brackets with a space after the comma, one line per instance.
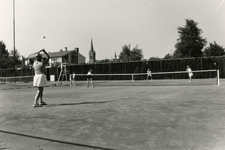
[76, 49]
[65, 48]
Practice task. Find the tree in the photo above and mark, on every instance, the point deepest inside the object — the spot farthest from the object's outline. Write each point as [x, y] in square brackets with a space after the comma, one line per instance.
[154, 58]
[130, 55]
[214, 50]
[125, 54]
[190, 43]
[5, 61]
[104, 60]
[168, 56]
[136, 54]
[17, 60]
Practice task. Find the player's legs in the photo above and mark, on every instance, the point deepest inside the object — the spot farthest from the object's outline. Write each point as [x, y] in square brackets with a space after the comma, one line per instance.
[91, 81]
[190, 79]
[41, 96]
[149, 77]
[38, 95]
[41, 93]
[87, 82]
[74, 81]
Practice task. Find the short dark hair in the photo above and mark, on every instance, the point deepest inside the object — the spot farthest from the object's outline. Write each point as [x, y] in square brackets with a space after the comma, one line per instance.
[38, 57]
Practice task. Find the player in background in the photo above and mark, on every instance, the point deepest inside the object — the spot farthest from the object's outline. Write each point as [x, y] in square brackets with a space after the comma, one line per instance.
[190, 74]
[89, 78]
[73, 78]
[149, 74]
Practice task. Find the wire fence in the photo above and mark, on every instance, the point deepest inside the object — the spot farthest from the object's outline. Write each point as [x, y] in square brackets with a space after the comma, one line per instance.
[163, 65]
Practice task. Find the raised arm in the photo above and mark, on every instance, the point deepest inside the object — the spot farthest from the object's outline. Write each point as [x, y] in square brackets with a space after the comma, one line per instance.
[47, 59]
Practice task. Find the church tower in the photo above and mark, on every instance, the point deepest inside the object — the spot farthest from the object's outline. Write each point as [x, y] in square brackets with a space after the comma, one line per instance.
[92, 54]
[115, 57]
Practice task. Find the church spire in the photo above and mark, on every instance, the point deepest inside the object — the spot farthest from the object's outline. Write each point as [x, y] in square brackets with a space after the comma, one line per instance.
[92, 48]
[92, 54]
[115, 56]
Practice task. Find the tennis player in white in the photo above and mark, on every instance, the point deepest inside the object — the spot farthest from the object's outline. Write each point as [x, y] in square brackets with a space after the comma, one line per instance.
[40, 80]
[190, 74]
[89, 78]
[149, 74]
[73, 78]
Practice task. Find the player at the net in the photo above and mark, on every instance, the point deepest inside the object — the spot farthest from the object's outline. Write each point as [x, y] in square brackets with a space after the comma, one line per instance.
[190, 73]
[89, 78]
[149, 74]
[73, 78]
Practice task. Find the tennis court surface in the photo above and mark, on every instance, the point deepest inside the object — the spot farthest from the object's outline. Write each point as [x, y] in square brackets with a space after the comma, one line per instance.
[175, 116]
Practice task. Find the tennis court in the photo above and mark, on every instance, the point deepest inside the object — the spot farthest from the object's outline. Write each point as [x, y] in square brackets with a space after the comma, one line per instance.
[169, 115]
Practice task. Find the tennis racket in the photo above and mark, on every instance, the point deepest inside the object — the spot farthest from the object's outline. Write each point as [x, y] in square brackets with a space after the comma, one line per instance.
[33, 55]
[135, 70]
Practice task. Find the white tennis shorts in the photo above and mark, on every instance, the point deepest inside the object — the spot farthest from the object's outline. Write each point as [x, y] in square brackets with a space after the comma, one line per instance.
[191, 74]
[40, 80]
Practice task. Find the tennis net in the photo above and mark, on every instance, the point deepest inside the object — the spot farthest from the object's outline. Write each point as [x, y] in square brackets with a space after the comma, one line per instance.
[16, 79]
[179, 78]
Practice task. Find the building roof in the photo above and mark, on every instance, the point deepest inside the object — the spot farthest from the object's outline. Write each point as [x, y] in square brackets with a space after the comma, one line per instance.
[54, 54]
[60, 54]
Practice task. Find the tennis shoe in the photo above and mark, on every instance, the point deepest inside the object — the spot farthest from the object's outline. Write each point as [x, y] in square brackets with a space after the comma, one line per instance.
[36, 105]
[42, 103]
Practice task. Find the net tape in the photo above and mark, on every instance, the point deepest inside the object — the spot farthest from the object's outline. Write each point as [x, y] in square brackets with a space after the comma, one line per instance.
[130, 74]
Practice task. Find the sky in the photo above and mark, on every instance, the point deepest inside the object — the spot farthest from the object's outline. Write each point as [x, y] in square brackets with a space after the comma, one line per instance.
[150, 24]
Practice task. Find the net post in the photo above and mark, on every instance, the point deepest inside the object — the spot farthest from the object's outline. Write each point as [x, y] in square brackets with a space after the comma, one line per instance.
[132, 79]
[218, 77]
[70, 80]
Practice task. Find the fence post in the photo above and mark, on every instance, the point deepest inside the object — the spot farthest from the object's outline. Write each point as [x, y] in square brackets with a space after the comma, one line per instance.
[201, 63]
[125, 67]
[160, 65]
[218, 77]
[110, 68]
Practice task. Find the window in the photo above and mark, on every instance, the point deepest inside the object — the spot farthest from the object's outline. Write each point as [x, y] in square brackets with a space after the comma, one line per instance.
[74, 58]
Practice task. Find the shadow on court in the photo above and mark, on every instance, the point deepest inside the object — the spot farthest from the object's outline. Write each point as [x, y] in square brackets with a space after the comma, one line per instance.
[53, 140]
[83, 103]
